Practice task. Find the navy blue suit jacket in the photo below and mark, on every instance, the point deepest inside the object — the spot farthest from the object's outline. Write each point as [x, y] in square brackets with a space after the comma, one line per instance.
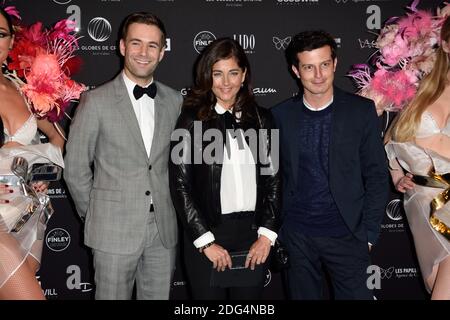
[358, 173]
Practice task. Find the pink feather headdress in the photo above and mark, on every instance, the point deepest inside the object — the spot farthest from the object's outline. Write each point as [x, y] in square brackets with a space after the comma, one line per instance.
[42, 62]
[406, 53]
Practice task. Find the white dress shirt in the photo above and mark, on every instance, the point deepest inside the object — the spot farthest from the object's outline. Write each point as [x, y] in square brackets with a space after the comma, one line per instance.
[237, 184]
[144, 109]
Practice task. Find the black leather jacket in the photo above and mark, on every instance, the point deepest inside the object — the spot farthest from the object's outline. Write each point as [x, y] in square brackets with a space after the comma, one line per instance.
[195, 188]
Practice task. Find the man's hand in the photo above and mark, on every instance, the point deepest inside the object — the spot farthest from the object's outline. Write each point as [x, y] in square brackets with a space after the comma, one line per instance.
[258, 253]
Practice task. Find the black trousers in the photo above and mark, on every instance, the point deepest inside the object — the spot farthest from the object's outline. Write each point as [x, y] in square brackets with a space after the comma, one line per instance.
[345, 258]
[235, 233]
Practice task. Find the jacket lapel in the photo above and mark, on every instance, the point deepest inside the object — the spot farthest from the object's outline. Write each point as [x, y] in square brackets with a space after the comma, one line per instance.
[338, 121]
[160, 118]
[295, 115]
[125, 107]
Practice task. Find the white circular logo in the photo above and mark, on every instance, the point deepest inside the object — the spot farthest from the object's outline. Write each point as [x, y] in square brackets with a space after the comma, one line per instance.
[202, 39]
[99, 29]
[61, 1]
[57, 239]
[394, 210]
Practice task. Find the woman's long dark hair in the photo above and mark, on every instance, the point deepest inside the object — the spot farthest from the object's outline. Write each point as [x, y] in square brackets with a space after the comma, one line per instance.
[11, 30]
[201, 96]
[2, 134]
[8, 20]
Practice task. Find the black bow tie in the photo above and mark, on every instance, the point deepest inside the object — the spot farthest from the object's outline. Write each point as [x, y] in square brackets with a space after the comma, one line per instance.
[230, 121]
[138, 91]
[231, 124]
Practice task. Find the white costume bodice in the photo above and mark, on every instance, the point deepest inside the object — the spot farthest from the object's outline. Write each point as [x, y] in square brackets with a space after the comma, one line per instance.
[428, 127]
[25, 134]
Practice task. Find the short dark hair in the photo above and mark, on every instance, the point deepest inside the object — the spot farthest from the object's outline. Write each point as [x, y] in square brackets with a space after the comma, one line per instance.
[307, 41]
[145, 18]
[8, 20]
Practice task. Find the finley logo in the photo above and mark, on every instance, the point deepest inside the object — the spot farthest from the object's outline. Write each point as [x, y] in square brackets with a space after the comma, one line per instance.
[202, 39]
[99, 29]
[281, 43]
[57, 239]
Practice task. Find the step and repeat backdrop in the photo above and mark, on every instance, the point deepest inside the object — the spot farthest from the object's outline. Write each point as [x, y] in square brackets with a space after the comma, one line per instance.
[264, 28]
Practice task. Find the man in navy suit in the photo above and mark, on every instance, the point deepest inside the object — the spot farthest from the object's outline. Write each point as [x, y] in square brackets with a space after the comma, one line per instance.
[335, 177]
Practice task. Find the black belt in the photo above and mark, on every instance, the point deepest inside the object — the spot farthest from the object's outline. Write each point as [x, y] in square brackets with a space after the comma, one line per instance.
[238, 215]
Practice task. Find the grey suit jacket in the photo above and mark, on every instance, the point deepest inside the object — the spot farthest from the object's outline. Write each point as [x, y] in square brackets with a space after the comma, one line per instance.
[108, 172]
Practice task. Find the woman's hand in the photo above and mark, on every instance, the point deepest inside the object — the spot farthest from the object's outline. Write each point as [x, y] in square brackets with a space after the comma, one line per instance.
[444, 11]
[405, 183]
[40, 186]
[218, 256]
[258, 253]
[4, 189]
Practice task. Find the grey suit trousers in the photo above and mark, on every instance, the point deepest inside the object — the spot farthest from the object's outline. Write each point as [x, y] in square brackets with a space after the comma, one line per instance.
[151, 268]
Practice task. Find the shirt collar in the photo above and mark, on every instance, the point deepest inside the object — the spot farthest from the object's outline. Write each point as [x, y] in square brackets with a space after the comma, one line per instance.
[221, 110]
[326, 105]
[130, 83]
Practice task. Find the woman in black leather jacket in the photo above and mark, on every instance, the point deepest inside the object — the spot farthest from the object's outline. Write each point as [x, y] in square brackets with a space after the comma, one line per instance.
[225, 183]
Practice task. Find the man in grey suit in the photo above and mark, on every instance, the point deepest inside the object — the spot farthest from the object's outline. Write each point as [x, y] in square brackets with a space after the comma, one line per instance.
[117, 169]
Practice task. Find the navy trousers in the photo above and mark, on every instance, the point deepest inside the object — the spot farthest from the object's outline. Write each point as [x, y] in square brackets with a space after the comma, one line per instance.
[344, 258]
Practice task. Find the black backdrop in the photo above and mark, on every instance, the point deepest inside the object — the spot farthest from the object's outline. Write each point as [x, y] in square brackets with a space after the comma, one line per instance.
[263, 28]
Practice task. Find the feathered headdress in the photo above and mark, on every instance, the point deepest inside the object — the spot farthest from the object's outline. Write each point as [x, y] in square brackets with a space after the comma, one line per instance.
[41, 62]
[406, 53]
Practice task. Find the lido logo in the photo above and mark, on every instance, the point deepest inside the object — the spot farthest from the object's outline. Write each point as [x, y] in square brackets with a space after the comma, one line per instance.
[341, 1]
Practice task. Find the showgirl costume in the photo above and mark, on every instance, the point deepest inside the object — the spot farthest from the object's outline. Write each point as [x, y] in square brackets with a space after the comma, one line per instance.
[16, 246]
[40, 65]
[431, 236]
